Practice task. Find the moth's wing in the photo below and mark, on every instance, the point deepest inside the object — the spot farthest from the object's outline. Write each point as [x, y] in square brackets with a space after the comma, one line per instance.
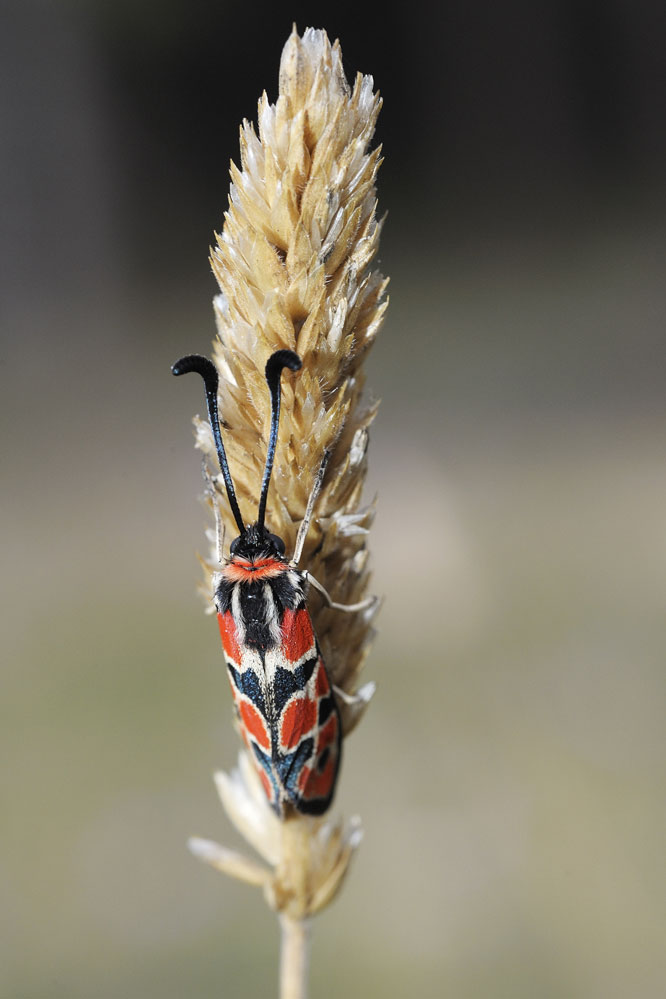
[306, 727]
[248, 687]
[315, 785]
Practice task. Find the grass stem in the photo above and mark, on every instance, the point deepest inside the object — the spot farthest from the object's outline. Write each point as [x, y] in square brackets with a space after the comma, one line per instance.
[294, 957]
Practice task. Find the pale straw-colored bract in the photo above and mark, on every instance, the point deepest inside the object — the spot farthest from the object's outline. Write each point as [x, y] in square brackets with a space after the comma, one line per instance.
[293, 264]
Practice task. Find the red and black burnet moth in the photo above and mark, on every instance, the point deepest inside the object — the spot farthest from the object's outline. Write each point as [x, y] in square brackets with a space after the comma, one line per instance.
[284, 702]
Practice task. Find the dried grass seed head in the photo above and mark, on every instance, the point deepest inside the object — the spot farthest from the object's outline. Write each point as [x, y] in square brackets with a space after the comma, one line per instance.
[293, 263]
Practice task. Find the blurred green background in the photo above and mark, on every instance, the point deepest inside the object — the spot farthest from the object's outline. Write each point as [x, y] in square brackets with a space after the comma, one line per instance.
[510, 773]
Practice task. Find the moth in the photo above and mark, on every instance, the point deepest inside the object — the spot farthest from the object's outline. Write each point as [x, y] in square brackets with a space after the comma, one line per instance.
[284, 701]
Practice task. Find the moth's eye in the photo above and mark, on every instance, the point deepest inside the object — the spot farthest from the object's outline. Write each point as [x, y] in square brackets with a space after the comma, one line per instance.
[234, 545]
[277, 542]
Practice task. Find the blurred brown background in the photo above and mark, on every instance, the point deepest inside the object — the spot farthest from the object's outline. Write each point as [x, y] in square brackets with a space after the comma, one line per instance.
[510, 773]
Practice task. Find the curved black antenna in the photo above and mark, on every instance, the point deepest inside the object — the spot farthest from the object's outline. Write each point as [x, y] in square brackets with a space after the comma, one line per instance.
[208, 371]
[274, 365]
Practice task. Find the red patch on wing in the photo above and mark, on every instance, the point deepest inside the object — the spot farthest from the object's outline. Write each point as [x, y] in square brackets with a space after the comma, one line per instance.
[322, 686]
[328, 734]
[298, 718]
[243, 570]
[317, 785]
[297, 634]
[254, 724]
[228, 634]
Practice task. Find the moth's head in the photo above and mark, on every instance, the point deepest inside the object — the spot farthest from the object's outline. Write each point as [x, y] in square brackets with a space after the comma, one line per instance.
[256, 542]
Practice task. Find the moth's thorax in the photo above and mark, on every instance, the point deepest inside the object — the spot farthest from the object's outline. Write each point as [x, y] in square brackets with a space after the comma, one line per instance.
[258, 589]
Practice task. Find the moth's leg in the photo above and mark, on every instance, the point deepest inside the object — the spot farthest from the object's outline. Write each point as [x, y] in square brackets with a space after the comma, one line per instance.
[219, 526]
[362, 605]
[312, 499]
